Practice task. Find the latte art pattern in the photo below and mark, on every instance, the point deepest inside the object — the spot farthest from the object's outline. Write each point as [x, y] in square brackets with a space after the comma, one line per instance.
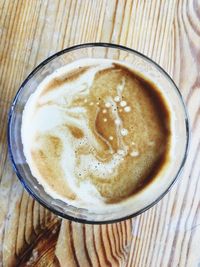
[95, 133]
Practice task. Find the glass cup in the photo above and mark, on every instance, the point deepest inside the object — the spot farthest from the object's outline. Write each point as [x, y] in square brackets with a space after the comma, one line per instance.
[141, 63]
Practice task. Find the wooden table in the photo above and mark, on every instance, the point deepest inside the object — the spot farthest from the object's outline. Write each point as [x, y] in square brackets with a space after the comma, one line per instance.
[168, 31]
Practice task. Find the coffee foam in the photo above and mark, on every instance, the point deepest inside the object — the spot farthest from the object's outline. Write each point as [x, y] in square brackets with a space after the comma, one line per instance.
[71, 154]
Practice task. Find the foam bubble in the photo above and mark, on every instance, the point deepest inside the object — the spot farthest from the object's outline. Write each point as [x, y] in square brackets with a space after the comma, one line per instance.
[117, 98]
[124, 132]
[134, 153]
[123, 103]
[108, 105]
[127, 109]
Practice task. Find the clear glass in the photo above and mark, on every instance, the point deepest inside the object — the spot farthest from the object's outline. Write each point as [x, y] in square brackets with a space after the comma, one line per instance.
[140, 63]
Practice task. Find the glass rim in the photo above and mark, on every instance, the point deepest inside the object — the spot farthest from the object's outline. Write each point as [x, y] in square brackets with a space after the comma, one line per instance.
[23, 179]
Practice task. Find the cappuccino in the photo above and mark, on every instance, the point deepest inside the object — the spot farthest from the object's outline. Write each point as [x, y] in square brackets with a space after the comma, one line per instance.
[96, 133]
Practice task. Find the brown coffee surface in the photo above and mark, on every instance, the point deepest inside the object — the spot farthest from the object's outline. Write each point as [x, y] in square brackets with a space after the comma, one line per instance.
[127, 115]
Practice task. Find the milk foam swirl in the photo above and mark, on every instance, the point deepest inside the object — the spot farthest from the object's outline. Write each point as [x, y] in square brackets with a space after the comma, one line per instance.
[95, 135]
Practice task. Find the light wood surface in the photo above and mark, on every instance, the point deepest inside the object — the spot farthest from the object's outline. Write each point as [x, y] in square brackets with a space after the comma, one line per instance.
[168, 31]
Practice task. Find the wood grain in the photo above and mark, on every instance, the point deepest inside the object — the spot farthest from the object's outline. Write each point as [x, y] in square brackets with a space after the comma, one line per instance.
[168, 32]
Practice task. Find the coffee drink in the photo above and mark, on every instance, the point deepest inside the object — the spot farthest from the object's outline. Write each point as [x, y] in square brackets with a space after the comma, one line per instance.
[96, 133]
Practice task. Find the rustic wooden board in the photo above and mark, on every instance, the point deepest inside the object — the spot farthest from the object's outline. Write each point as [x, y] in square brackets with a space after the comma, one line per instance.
[168, 32]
